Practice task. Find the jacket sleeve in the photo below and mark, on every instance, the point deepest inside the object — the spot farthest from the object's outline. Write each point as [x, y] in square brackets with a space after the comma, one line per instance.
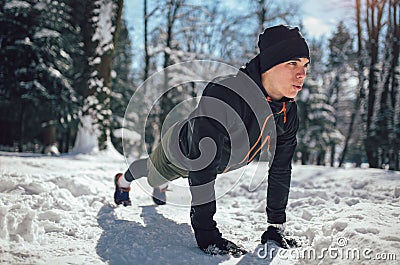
[280, 171]
[209, 122]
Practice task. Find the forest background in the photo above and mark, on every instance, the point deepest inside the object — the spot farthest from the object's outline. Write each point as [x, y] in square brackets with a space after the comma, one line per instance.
[68, 69]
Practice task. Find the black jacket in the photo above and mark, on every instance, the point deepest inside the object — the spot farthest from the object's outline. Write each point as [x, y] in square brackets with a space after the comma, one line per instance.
[238, 140]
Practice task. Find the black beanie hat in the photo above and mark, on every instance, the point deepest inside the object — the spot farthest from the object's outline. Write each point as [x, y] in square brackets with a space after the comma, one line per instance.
[280, 44]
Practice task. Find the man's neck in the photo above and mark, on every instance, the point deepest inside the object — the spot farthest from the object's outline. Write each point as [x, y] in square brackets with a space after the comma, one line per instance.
[272, 95]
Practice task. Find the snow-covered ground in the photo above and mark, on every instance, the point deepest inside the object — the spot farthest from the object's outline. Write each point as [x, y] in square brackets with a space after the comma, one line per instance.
[59, 210]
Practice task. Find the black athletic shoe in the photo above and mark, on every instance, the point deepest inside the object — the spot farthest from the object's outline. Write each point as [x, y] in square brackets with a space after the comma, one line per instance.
[159, 195]
[121, 195]
[225, 247]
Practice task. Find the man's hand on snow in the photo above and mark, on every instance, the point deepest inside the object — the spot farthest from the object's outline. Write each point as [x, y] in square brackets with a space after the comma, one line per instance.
[277, 235]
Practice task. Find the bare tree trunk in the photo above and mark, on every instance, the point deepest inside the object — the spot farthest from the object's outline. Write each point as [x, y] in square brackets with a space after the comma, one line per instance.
[335, 104]
[261, 14]
[333, 152]
[374, 26]
[21, 128]
[321, 158]
[361, 80]
[67, 139]
[393, 82]
[146, 16]
[146, 44]
[268, 11]
[305, 158]
[166, 104]
[357, 103]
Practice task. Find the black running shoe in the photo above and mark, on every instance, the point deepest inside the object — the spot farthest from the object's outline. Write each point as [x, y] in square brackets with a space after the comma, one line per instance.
[121, 195]
[159, 195]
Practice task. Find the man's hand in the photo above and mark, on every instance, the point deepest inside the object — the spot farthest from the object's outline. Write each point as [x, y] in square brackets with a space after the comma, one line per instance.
[278, 235]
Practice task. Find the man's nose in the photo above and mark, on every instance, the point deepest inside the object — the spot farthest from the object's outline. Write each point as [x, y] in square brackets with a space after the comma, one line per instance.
[301, 73]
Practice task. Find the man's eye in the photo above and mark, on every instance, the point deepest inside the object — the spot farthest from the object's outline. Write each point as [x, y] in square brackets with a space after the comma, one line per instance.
[293, 63]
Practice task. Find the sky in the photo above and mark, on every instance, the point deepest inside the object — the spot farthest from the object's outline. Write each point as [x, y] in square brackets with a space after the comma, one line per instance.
[322, 16]
[319, 16]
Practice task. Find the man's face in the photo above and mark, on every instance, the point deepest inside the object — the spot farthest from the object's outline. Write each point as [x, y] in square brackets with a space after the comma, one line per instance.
[285, 79]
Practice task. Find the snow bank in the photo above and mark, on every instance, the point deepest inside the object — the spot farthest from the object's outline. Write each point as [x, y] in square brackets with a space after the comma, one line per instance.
[59, 210]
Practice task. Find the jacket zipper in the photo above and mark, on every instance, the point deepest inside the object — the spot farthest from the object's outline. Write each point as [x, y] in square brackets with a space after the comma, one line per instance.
[282, 110]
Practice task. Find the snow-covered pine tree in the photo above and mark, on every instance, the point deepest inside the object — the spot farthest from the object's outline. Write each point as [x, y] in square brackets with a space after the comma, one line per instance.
[319, 131]
[53, 40]
[36, 69]
[316, 72]
[99, 30]
[16, 54]
[339, 71]
[122, 86]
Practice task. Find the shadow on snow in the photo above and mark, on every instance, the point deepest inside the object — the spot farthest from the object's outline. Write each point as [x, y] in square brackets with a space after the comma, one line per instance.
[158, 241]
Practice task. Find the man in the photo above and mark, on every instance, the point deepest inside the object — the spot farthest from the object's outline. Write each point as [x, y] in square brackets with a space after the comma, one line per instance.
[278, 71]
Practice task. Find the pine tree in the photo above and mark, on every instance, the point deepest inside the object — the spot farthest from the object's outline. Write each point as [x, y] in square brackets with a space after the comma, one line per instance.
[122, 83]
[100, 28]
[16, 55]
[54, 24]
[36, 68]
[318, 124]
[339, 70]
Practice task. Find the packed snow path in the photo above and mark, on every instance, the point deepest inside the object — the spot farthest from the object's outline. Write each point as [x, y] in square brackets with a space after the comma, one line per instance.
[59, 210]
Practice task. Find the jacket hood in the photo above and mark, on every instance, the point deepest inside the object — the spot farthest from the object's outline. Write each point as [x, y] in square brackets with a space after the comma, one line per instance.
[252, 69]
